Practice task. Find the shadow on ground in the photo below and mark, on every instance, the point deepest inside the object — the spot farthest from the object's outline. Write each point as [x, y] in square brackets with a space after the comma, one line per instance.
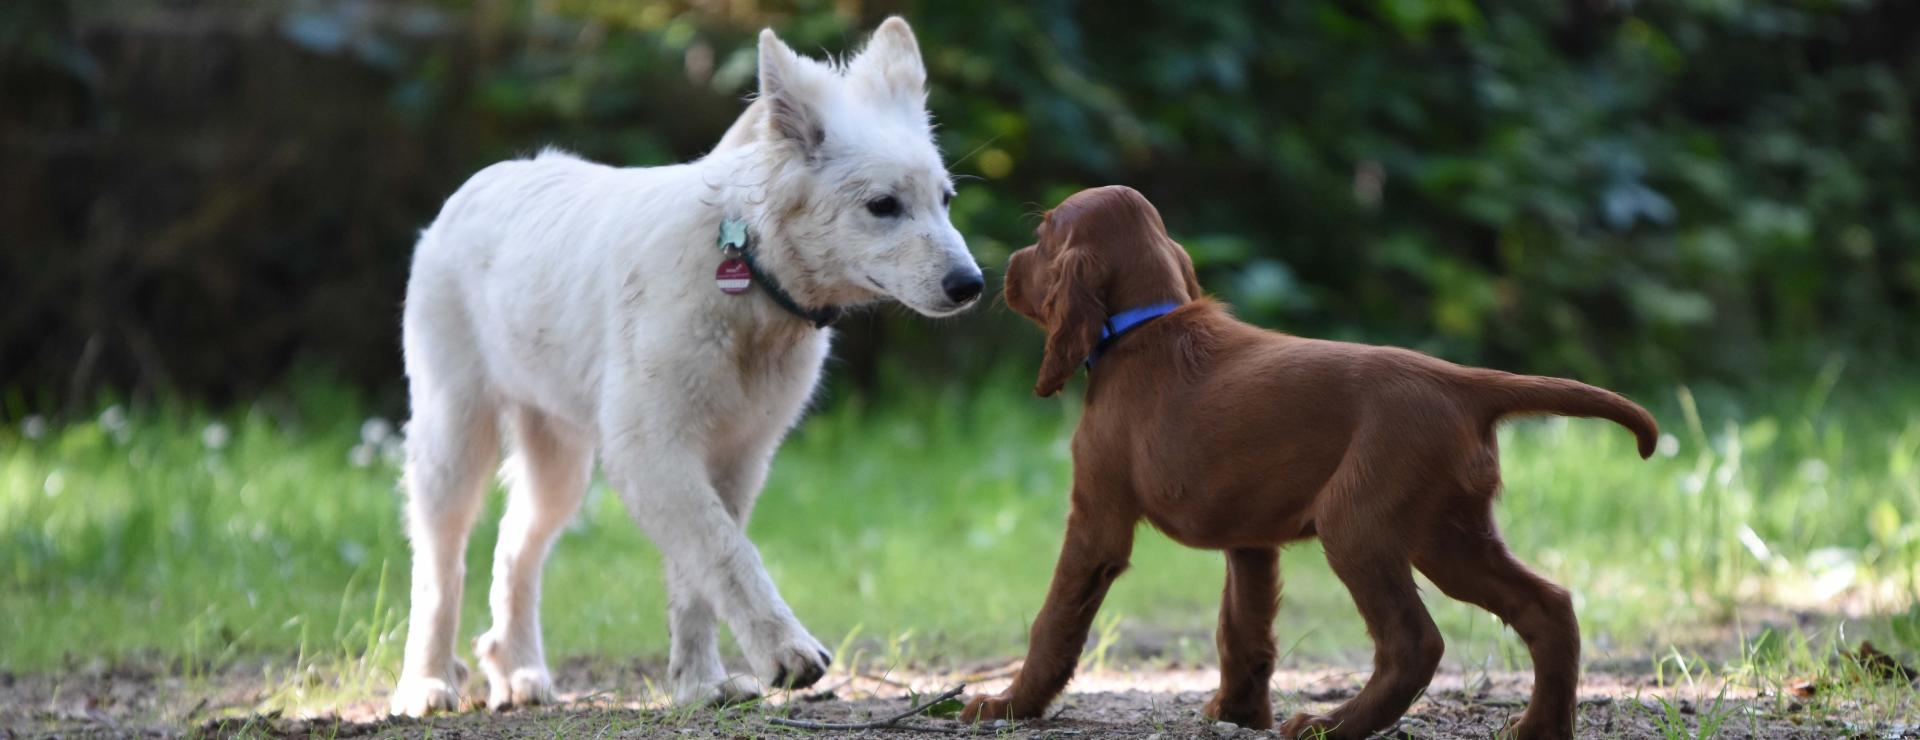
[619, 700]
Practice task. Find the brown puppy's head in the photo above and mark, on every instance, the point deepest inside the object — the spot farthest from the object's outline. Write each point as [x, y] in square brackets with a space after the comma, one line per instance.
[1100, 251]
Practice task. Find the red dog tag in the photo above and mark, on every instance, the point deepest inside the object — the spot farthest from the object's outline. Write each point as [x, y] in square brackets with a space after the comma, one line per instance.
[733, 277]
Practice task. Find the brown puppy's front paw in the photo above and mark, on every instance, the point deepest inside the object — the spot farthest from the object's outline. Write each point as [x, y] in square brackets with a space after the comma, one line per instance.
[985, 708]
[1258, 717]
[1305, 726]
[1525, 727]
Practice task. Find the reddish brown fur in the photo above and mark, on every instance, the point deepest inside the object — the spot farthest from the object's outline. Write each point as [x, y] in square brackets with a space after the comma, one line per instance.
[1227, 436]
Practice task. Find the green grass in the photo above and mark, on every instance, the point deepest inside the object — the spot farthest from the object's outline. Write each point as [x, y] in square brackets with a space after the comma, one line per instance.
[925, 528]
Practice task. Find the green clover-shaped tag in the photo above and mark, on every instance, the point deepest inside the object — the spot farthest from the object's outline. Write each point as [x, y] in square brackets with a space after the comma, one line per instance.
[733, 235]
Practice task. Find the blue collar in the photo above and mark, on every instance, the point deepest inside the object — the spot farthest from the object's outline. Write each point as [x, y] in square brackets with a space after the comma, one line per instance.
[1119, 324]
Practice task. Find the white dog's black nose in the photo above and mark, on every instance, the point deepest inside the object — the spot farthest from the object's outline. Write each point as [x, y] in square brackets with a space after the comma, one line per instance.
[963, 285]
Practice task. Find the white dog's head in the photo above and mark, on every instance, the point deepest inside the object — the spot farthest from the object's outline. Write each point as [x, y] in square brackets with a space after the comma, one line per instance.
[856, 198]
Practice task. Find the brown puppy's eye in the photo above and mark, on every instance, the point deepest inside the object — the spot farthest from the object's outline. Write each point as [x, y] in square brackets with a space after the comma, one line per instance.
[884, 206]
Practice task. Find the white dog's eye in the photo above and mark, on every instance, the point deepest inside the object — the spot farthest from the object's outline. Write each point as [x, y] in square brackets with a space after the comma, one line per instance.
[884, 206]
[946, 199]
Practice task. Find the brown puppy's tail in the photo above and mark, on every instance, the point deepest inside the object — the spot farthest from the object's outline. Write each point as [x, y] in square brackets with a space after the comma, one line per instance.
[1505, 394]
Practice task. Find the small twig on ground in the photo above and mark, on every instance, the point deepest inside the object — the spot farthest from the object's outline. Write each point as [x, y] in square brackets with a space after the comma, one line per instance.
[881, 679]
[893, 721]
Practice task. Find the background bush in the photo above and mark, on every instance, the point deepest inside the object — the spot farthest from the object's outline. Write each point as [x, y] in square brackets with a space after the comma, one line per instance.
[205, 197]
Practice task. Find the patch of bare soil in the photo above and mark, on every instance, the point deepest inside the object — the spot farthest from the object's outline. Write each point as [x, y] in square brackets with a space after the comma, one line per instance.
[619, 701]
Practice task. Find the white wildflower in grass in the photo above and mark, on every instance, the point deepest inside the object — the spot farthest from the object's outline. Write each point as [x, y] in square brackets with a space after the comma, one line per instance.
[353, 553]
[1813, 470]
[375, 430]
[379, 443]
[33, 427]
[362, 455]
[216, 436]
[393, 451]
[1668, 446]
[114, 420]
[56, 482]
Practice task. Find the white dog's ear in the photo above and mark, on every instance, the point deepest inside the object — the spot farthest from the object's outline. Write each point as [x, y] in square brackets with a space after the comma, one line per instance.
[891, 63]
[785, 86]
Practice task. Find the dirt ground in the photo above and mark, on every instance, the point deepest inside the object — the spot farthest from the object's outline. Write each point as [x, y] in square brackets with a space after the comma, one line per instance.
[619, 701]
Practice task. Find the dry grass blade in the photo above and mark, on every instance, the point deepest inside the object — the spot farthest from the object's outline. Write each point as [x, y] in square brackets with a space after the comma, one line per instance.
[893, 721]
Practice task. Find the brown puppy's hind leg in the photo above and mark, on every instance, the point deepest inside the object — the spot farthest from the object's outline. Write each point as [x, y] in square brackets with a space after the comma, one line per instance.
[1245, 639]
[1406, 644]
[1468, 562]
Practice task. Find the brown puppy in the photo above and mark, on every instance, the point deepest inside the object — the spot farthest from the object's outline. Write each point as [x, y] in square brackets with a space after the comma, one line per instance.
[1227, 436]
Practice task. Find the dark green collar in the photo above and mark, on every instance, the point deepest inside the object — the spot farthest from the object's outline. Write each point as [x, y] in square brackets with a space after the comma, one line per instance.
[735, 236]
[821, 318]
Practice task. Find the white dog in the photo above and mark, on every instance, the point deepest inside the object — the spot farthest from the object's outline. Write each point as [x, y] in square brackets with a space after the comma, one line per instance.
[583, 304]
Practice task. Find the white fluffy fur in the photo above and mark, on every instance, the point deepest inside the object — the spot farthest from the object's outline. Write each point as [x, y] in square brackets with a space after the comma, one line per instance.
[570, 307]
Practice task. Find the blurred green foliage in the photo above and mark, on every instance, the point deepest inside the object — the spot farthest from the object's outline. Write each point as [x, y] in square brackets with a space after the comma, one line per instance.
[202, 196]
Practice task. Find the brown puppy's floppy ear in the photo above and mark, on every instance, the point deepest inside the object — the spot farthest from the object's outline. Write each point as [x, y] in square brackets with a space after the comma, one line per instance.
[1074, 313]
[1185, 263]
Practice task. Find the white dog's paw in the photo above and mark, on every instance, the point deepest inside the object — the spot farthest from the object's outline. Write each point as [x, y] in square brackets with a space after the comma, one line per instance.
[716, 693]
[794, 662]
[522, 688]
[514, 679]
[417, 697]
[422, 695]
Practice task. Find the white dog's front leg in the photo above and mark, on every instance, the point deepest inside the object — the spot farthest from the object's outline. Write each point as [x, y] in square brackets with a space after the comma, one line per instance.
[695, 674]
[671, 497]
